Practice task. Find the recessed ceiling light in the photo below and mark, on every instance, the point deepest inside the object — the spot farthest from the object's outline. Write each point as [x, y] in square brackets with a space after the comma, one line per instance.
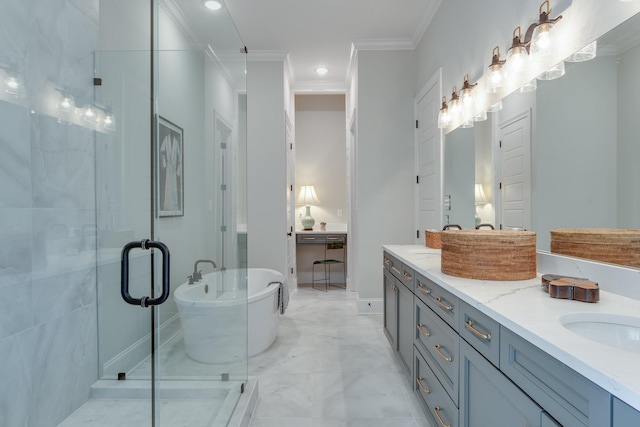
[212, 4]
[322, 71]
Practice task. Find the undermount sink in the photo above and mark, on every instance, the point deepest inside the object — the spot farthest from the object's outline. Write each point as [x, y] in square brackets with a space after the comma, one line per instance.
[614, 330]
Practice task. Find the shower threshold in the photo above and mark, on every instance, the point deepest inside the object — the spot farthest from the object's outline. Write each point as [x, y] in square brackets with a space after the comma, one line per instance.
[182, 403]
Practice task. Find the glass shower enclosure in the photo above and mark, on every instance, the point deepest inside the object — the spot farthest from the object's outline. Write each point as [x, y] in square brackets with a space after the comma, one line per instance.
[167, 171]
[122, 158]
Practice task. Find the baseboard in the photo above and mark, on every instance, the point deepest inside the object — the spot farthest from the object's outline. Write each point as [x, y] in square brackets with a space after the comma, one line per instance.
[370, 305]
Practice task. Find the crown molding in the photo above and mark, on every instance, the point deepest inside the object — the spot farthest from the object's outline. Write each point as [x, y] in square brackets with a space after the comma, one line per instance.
[383, 44]
[324, 86]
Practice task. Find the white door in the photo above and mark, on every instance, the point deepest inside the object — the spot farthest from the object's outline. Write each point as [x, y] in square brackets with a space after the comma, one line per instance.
[291, 238]
[428, 159]
[515, 172]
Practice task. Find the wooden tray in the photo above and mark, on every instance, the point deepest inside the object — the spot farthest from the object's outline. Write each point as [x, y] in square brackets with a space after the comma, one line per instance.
[616, 246]
[489, 254]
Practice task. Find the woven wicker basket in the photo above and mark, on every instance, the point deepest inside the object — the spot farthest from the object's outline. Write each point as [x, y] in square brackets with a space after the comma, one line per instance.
[616, 246]
[433, 239]
[489, 254]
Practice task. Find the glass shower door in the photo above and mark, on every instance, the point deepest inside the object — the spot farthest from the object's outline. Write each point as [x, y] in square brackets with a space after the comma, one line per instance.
[169, 169]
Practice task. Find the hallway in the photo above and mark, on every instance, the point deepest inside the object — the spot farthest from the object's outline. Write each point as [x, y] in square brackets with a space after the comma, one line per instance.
[330, 367]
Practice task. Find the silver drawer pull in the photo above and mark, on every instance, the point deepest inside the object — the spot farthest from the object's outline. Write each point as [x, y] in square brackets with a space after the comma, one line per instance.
[407, 276]
[423, 289]
[446, 358]
[437, 411]
[385, 260]
[469, 325]
[422, 389]
[443, 305]
[394, 288]
[422, 330]
[308, 238]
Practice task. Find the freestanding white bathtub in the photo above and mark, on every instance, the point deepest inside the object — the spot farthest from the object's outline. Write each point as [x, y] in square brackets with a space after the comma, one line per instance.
[216, 311]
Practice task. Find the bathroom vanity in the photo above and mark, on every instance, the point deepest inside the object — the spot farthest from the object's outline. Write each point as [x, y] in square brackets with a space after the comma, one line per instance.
[503, 353]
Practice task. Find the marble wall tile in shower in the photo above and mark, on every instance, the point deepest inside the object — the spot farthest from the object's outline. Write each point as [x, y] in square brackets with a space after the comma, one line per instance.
[61, 237]
[15, 251]
[15, 156]
[16, 371]
[63, 164]
[59, 294]
[65, 366]
[16, 311]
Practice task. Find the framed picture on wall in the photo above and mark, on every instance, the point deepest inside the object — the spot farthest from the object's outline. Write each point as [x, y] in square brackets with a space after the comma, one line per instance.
[170, 168]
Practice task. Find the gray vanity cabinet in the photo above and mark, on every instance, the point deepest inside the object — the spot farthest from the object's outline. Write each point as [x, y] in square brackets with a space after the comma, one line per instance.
[567, 396]
[398, 309]
[624, 415]
[405, 326]
[471, 371]
[438, 406]
[390, 322]
[488, 398]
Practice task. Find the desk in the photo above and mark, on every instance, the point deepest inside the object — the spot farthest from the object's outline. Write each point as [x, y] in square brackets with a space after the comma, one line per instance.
[310, 247]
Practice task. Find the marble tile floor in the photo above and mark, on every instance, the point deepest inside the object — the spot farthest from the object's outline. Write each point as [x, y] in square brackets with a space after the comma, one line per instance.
[330, 367]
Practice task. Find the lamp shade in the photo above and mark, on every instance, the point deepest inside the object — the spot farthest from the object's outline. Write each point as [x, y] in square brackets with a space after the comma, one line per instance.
[481, 198]
[308, 195]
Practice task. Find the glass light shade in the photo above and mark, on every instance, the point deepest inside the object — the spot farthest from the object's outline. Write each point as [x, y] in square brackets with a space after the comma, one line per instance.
[468, 104]
[554, 72]
[517, 59]
[529, 86]
[66, 104]
[494, 79]
[481, 116]
[444, 119]
[586, 53]
[542, 40]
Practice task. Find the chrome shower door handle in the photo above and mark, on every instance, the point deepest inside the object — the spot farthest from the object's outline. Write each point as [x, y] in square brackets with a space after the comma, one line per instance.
[124, 273]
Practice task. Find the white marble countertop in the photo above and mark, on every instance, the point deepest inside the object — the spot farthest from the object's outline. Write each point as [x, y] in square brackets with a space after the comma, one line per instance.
[524, 308]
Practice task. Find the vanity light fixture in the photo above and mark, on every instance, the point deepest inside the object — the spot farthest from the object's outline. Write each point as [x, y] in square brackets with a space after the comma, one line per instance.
[494, 79]
[518, 55]
[529, 86]
[585, 54]
[481, 116]
[468, 124]
[455, 107]
[444, 118]
[466, 97]
[542, 34]
[212, 4]
[553, 73]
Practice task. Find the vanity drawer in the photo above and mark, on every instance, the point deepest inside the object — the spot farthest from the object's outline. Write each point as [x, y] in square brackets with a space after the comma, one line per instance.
[440, 345]
[566, 395]
[443, 302]
[408, 277]
[482, 332]
[392, 264]
[437, 404]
